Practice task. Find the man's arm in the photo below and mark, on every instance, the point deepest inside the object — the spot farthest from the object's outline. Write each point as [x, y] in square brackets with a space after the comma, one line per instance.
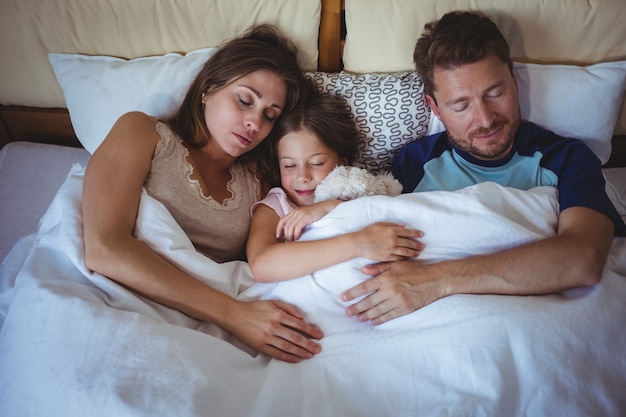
[574, 257]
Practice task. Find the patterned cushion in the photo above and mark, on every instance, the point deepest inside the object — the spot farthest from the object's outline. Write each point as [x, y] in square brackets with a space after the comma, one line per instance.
[389, 111]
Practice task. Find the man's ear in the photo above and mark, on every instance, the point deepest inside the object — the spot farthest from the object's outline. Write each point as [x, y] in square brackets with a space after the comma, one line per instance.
[433, 105]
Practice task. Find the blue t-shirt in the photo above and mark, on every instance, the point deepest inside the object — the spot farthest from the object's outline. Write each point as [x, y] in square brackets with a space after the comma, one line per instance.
[539, 157]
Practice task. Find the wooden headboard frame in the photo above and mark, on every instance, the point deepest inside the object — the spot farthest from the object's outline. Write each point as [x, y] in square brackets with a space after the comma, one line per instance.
[53, 125]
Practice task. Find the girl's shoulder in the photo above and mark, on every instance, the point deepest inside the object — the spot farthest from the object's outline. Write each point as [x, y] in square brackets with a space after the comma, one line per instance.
[277, 200]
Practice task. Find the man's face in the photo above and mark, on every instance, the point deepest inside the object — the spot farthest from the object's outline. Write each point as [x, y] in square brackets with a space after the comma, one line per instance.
[478, 104]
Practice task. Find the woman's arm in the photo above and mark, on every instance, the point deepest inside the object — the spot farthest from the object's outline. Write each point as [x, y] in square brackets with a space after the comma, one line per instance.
[272, 260]
[113, 181]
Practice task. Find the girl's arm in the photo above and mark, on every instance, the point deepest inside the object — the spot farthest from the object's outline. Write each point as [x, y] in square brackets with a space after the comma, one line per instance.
[113, 180]
[291, 226]
[273, 260]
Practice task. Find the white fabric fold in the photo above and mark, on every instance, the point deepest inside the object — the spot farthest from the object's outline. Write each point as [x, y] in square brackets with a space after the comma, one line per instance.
[74, 343]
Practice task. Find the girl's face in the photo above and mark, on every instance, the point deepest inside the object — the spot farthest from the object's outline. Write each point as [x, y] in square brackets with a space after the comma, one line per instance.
[242, 114]
[304, 162]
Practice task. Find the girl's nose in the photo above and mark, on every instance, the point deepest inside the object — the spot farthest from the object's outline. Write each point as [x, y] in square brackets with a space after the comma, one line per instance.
[303, 175]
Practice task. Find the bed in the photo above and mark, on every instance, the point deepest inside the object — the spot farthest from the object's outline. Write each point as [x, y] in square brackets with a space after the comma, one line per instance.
[75, 343]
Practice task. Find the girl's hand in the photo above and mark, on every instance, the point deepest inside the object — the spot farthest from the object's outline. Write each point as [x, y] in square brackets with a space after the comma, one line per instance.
[291, 226]
[384, 241]
[275, 328]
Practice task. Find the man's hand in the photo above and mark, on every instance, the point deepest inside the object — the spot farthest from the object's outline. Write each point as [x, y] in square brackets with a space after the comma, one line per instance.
[398, 288]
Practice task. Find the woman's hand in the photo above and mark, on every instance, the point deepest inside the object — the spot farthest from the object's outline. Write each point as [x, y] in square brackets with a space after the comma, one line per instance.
[384, 241]
[292, 225]
[275, 328]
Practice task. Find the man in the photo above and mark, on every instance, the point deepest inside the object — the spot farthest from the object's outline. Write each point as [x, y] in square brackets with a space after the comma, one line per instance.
[465, 65]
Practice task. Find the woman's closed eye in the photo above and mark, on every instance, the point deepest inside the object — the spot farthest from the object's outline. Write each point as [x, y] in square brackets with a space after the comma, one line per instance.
[246, 102]
[271, 117]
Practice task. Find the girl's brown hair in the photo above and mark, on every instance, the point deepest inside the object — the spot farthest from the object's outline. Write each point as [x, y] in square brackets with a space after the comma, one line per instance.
[324, 115]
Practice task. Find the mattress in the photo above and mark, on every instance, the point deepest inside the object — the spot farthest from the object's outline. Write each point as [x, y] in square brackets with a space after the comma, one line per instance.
[30, 175]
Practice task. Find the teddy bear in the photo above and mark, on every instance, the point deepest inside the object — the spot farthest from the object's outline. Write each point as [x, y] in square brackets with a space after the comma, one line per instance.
[349, 182]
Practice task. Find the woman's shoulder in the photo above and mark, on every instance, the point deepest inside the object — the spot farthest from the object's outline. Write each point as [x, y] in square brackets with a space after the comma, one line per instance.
[132, 131]
[137, 118]
[137, 125]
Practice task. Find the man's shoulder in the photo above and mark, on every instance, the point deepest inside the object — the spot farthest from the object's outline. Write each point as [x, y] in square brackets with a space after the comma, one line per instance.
[534, 137]
[533, 131]
[428, 145]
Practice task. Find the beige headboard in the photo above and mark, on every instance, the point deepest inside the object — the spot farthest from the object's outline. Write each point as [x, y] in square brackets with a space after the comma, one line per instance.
[29, 29]
[381, 34]
[380, 38]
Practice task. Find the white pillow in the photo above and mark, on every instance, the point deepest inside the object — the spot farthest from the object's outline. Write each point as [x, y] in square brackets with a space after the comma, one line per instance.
[574, 101]
[389, 111]
[99, 89]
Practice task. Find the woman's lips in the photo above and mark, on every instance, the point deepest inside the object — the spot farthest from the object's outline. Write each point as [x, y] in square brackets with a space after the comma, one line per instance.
[244, 140]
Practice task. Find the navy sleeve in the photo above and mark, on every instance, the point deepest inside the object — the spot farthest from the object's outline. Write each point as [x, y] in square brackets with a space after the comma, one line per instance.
[581, 182]
[408, 167]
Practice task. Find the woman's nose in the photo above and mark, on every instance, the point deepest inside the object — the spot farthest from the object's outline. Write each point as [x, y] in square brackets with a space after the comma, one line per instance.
[252, 121]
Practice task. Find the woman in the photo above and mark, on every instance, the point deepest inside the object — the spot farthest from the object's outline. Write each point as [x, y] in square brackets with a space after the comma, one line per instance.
[201, 166]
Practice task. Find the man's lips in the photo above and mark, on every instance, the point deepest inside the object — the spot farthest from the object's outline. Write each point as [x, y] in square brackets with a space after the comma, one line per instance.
[483, 134]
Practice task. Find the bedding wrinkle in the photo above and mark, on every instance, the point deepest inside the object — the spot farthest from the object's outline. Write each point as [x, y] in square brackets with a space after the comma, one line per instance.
[461, 355]
[74, 343]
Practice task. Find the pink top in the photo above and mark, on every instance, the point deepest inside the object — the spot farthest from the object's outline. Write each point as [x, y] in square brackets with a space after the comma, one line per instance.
[277, 200]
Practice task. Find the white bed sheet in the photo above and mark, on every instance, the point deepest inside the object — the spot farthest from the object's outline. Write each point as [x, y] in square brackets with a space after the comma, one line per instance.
[76, 343]
[30, 175]
[616, 188]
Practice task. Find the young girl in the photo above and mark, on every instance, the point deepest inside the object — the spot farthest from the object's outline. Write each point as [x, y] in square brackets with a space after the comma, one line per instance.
[201, 166]
[311, 141]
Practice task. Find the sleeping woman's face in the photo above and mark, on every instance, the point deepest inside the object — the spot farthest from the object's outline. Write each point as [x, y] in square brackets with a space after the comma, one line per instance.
[242, 114]
[304, 162]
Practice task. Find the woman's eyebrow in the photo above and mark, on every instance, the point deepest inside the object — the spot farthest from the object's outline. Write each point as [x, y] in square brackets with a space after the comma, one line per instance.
[259, 95]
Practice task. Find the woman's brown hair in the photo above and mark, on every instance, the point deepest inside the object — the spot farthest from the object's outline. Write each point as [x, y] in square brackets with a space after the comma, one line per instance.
[261, 47]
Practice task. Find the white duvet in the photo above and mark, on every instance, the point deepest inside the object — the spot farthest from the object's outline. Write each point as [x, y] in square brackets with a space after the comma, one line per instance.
[74, 343]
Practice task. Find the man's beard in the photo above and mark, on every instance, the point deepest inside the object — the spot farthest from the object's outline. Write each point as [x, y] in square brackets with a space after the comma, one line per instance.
[492, 150]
